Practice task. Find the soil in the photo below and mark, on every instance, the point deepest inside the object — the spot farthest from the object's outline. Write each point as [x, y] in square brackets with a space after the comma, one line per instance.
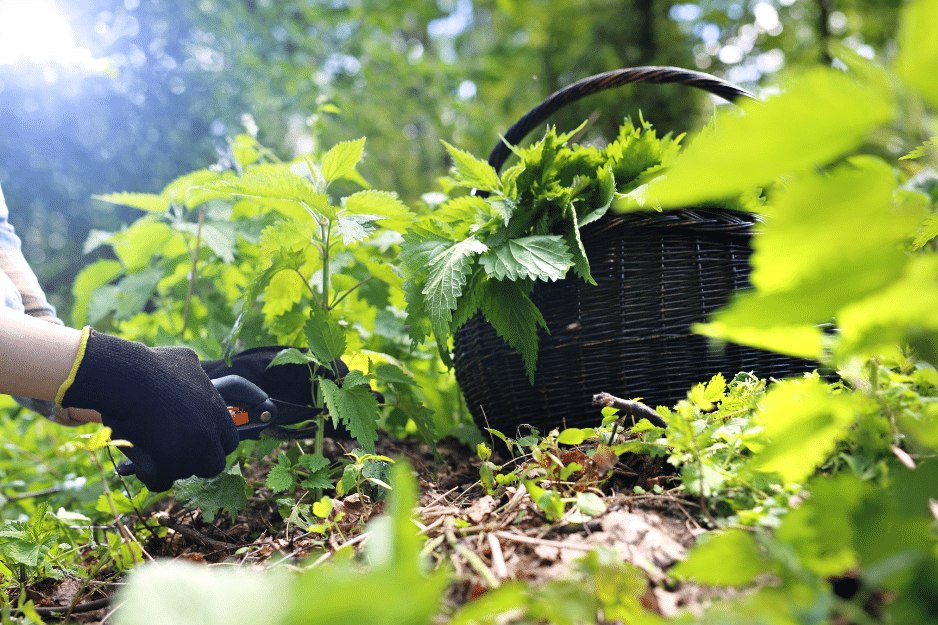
[509, 535]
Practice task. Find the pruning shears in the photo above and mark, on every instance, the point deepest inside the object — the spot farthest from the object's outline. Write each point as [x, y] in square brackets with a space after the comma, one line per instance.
[254, 411]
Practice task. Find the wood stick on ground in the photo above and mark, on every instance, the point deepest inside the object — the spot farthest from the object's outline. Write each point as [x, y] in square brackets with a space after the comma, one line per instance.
[627, 407]
[194, 534]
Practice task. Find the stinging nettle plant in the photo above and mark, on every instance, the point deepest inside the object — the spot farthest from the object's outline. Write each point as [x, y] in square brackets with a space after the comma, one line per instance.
[302, 265]
[482, 253]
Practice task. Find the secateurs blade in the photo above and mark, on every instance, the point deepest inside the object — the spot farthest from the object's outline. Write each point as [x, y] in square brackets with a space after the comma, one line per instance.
[254, 411]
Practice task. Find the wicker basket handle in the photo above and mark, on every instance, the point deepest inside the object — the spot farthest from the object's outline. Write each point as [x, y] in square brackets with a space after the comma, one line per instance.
[600, 82]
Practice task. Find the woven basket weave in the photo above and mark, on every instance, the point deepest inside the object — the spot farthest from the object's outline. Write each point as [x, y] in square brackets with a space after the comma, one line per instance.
[656, 274]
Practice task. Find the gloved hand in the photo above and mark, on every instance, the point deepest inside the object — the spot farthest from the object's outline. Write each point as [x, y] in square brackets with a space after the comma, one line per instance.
[160, 400]
[289, 382]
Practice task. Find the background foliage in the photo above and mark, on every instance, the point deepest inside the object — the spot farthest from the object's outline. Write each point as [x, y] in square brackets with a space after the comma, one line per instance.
[406, 75]
[815, 483]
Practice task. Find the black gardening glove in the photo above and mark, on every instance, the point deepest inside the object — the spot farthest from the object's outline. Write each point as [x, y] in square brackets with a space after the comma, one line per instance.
[160, 400]
[288, 382]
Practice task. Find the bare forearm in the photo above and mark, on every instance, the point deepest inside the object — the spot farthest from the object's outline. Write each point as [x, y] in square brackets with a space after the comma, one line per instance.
[35, 356]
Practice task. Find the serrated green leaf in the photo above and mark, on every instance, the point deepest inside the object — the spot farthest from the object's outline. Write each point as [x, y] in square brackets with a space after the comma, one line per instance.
[927, 232]
[324, 337]
[313, 462]
[814, 121]
[356, 408]
[341, 159]
[217, 236]
[283, 259]
[135, 290]
[422, 417]
[922, 150]
[446, 276]
[354, 227]
[917, 61]
[392, 373]
[515, 318]
[382, 203]
[184, 189]
[280, 188]
[802, 422]
[716, 387]
[148, 202]
[226, 491]
[91, 277]
[472, 172]
[293, 356]
[136, 246]
[730, 558]
[280, 478]
[544, 257]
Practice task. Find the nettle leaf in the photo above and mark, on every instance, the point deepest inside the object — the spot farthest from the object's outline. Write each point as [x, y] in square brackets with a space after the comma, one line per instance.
[324, 336]
[802, 422]
[472, 172]
[218, 236]
[135, 290]
[903, 313]
[282, 259]
[226, 491]
[384, 204]
[419, 246]
[927, 232]
[571, 234]
[97, 274]
[293, 356]
[137, 245]
[185, 189]
[814, 121]
[149, 202]
[446, 276]
[285, 191]
[730, 558]
[515, 318]
[859, 218]
[355, 227]
[391, 373]
[922, 150]
[544, 257]
[341, 159]
[280, 478]
[917, 61]
[356, 408]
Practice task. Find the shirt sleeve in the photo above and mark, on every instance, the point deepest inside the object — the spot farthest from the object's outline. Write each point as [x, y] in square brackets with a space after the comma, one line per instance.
[20, 290]
[19, 287]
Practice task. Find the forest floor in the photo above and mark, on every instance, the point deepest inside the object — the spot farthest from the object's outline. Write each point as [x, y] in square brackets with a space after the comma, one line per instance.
[485, 540]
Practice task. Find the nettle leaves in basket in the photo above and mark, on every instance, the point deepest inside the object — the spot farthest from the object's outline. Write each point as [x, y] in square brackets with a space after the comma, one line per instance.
[483, 253]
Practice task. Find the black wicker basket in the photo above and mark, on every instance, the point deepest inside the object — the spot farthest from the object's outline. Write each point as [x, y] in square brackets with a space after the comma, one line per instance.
[629, 335]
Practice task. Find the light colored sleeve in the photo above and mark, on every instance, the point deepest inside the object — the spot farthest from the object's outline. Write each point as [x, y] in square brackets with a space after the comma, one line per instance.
[19, 287]
[21, 293]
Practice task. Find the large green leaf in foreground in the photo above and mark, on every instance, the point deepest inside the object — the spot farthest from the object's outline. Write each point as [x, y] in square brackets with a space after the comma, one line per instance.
[817, 118]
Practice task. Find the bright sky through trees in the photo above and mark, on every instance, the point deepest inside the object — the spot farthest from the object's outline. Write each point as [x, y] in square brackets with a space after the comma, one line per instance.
[38, 32]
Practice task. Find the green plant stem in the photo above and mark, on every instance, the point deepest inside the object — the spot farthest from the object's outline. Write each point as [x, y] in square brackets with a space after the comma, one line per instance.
[346, 294]
[192, 274]
[326, 227]
[125, 533]
[318, 447]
